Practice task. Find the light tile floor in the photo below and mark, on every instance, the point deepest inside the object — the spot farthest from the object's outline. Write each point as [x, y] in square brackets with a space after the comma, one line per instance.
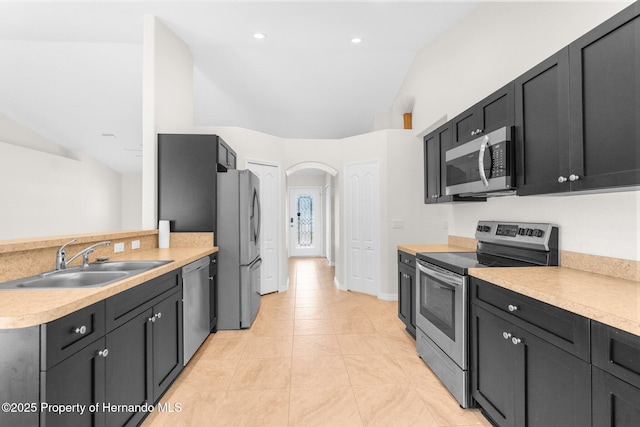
[315, 356]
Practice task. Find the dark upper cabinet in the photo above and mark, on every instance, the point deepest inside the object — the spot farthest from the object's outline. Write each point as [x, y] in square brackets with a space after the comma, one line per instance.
[226, 156]
[542, 126]
[605, 104]
[493, 112]
[435, 146]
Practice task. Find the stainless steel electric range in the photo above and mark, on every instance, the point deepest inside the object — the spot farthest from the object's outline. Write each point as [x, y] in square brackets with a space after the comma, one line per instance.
[442, 297]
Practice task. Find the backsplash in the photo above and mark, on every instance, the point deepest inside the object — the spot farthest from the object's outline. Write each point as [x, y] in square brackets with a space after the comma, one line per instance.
[27, 257]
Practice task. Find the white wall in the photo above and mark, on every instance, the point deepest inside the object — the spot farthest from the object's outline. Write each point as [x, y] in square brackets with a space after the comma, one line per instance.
[131, 202]
[167, 101]
[493, 45]
[43, 194]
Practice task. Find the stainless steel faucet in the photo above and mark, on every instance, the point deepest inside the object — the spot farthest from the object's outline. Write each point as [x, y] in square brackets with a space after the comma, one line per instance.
[61, 254]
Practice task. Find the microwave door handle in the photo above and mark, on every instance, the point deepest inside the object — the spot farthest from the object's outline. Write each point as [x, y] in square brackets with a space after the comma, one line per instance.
[483, 147]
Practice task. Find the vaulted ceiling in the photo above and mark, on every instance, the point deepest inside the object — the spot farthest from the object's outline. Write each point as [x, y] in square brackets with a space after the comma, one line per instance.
[72, 71]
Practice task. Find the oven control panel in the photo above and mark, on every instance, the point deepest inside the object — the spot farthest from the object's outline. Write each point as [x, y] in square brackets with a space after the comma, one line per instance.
[525, 234]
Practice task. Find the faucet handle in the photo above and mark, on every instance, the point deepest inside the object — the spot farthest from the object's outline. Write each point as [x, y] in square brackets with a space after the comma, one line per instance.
[61, 250]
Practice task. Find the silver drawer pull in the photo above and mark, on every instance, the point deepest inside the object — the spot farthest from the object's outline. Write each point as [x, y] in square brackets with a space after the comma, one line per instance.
[506, 335]
[407, 261]
[516, 341]
[152, 319]
[512, 307]
[103, 353]
[159, 315]
[81, 330]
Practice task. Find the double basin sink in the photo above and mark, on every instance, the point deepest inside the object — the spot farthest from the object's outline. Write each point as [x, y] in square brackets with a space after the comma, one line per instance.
[92, 276]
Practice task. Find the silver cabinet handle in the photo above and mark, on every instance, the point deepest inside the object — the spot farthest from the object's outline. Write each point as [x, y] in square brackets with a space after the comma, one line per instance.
[159, 315]
[562, 179]
[103, 353]
[407, 261]
[81, 330]
[573, 178]
[516, 341]
[210, 277]
[506, 335]
[152, 319]
[512, 307]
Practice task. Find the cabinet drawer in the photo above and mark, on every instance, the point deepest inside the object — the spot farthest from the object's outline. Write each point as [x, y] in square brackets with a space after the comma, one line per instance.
[561, 328]
[126, 305]
[406, 259]
[616, 352]
[69, 334]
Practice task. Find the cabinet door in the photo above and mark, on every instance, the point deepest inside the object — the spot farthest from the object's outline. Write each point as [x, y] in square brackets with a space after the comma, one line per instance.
[79, 379]
[553, 387]
[231, 159]
[542, 127]
[412, 304]
[128, 369]
[615, 403]
[187, 181]
[404, 296]
[492, 366]
[213, 293]
[167, 343]
[493, 112]
[431, 168]
[605, 103]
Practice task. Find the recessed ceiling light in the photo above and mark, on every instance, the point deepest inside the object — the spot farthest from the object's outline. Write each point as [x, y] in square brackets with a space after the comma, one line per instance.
[260, 36]
[356, 40]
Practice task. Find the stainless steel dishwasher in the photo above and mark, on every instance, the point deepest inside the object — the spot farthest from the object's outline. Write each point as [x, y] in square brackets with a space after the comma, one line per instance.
[195, 295]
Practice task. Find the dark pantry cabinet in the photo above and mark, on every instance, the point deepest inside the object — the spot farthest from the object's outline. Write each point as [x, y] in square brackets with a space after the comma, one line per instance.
[407, 291]
[213, 292]
[577, 113]
[187, 179]
[529, 360]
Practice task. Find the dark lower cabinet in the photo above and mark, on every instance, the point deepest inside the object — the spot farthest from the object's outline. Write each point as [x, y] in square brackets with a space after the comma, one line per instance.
[616, 377]
[520, 379]
[128, 369]
[168, 344]
[80, 379]
[213, 293]
[407, 291]
[615, 402]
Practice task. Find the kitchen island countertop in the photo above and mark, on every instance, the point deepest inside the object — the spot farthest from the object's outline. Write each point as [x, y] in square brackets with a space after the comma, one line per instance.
[24, 308]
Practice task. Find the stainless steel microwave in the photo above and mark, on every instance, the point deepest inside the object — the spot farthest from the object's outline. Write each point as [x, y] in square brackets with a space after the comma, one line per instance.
[484, 166]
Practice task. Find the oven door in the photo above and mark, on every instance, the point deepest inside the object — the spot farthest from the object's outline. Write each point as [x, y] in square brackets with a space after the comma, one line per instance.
[441, 309]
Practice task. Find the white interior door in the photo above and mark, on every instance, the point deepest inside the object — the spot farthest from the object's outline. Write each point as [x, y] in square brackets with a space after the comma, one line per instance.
[269, 233]
[362, 219]
[328, 224]
[305, 222]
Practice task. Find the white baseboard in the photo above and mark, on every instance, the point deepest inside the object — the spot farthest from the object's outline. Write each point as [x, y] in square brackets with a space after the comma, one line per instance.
[338, 285]
[388, 297]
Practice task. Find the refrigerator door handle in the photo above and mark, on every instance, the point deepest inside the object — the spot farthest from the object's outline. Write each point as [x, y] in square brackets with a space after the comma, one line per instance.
[258, 227]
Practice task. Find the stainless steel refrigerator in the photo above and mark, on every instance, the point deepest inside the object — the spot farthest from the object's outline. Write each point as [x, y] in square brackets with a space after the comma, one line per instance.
[238, 237]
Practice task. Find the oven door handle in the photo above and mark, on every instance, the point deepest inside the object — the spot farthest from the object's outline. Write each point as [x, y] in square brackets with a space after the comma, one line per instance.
[483, 147]
[451, 279]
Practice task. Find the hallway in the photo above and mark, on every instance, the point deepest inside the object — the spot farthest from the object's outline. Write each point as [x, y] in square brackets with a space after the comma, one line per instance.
[314, 356]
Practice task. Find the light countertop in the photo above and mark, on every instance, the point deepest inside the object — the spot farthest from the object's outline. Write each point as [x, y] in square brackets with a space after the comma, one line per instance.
[609, 300]
[23, 308]
[413, 249]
